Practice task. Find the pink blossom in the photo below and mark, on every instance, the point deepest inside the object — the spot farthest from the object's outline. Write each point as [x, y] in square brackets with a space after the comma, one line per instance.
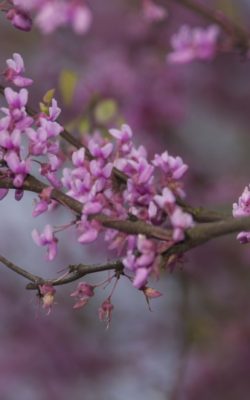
[15, 99]
[88, 230]
[153, 12]
[41, 206]
[80, 17]
[19, 19]
[166, 198]
[151, 293]
[193, 43]
[11, 140]
[105, 311]
[15, 70]
[27, 4]
[141, 276]
[78, 157]
[180, 221]
[123, 135]
[3, 193]
[20, 168]
[243, 237]
[170, 165]
[51, 16]
[242, 208]
[100, 151]
[46, 238]
[82, 294]
[47, 293]
[54, 110]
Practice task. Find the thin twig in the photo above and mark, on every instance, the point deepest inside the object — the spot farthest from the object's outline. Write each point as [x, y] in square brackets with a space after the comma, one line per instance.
[20, 271]
[195, 236]
[78, 271]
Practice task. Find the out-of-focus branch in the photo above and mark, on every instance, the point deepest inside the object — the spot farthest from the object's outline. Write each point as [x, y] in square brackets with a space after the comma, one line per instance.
[239, 35]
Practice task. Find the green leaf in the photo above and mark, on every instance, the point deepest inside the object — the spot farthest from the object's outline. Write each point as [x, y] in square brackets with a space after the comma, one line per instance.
[47, 98]
[105, 110]
[67, 85]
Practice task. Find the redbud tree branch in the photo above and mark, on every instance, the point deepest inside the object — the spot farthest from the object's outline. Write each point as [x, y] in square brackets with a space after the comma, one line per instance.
[239, 35]
[200, 214]
[195, 236]
[130, 227]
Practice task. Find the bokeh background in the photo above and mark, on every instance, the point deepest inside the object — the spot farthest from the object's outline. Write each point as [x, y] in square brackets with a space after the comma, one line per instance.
[195, 344]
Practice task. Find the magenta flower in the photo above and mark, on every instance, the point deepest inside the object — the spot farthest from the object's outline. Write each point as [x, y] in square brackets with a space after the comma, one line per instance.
[19, 19]
[3, 193]
[51, 16]
[46, 238]
[243, 237]
[193, 43]
[242, 208]
[151, 293]
[54, 111]
[20, 168]
[14, 72]
[105, 311]
[123, 135]
[11, 140]
[47, 293]
[78, 157]
[80, 17]
[89, 230]
[172, 166]
[153, 12]
[180, 222]
[100, 151]
[141, 277]
[167, 198]
[15, 99]
[82, 294]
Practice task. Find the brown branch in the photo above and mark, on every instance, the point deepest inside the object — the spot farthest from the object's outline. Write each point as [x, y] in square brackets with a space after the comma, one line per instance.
[195, 236]
[79, 271]
[199, 214]
[202, 233]
[130, 227]
[20, 271]
[75, 272]
[239, 35]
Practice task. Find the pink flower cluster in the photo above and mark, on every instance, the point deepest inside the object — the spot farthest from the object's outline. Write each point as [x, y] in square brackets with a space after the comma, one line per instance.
[50, 15]
[242, 209]
[23, 136]
[91, 182]
[153, 12]
[193, 43]
[149, 194]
